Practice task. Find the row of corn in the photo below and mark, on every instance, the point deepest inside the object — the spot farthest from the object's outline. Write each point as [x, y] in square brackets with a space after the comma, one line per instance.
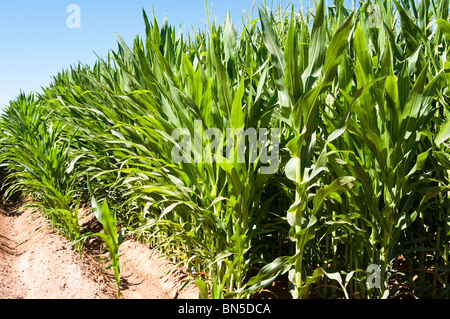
[339, 180]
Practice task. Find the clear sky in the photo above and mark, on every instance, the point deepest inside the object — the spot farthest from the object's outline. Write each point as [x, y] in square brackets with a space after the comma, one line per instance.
[36, 42]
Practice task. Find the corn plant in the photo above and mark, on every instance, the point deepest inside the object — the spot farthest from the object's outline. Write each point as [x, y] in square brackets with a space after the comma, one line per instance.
[299, 101]
[109, 236]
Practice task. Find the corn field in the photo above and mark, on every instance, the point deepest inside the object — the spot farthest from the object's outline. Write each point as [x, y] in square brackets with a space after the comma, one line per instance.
[354, 103]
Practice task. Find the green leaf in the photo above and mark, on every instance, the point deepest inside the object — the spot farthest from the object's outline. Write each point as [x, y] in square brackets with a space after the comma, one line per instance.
[269, 273]
[336, 276]
[291, 53]
[317, 47]
[443, 159]
[303, 290]
[420, 163]
[335, 49]
[364, 67]
[445, 27]
[237, 114]
[278, 62]
[203, 289]
[338, 185]
[291, 168]
[443, 135]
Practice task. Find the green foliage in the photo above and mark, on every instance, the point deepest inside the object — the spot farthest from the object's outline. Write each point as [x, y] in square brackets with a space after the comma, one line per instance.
[360, 105]
[39, 162]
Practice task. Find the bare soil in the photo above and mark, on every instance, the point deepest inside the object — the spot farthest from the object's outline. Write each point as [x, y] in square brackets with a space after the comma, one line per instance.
[38, 263]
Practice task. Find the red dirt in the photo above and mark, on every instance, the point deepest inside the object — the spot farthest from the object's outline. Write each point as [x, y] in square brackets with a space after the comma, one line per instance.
[38, 263]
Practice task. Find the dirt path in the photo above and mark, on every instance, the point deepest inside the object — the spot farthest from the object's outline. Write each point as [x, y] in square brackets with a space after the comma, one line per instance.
[38, 263]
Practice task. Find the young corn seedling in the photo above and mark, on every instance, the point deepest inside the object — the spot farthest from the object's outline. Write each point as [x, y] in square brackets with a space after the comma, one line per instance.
[110, 237]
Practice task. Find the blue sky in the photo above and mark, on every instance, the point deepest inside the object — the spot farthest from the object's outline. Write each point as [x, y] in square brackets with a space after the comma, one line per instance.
[37, 43]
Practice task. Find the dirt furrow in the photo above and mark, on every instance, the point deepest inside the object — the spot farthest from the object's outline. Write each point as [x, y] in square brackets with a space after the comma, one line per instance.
[10, 280]
[38, 263]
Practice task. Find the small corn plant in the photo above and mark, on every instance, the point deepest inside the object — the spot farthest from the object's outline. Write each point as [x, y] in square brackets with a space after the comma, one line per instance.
[109, 236]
